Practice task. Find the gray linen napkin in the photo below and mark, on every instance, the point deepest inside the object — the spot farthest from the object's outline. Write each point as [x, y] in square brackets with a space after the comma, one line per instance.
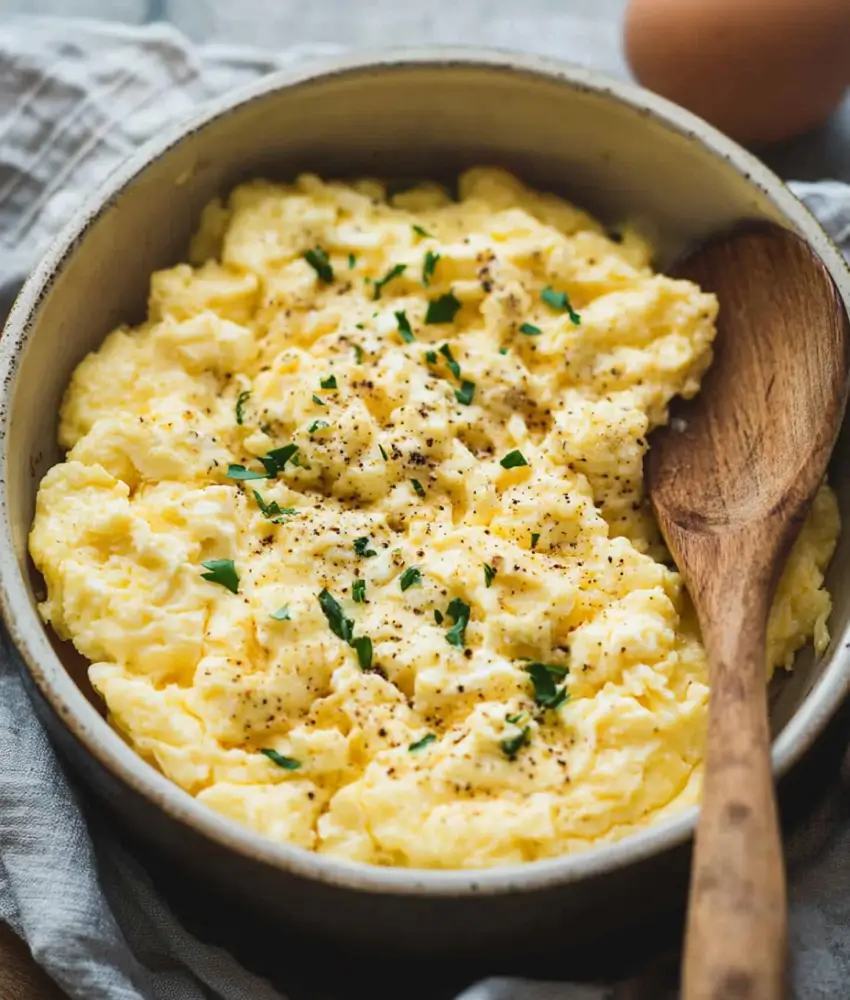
[76, 97]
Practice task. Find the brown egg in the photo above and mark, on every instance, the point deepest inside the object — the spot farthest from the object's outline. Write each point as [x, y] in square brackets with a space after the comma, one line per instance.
[760, 70]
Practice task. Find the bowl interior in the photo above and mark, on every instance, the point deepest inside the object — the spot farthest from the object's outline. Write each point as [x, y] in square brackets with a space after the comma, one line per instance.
[405, 118]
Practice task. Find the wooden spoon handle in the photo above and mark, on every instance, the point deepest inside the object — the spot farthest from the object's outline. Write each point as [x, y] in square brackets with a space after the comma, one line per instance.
[736, 932]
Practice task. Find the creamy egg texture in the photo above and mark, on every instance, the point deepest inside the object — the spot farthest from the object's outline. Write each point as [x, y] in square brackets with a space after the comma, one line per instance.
[352, 528]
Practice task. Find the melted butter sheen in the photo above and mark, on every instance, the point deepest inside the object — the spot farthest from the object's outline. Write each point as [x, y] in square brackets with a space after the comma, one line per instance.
[199, 679]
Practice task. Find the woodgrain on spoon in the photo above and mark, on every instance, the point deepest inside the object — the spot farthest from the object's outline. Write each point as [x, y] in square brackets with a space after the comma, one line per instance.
[730, 490]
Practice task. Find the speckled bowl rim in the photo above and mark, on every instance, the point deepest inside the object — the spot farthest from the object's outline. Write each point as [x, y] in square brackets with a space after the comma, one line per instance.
[94, 733]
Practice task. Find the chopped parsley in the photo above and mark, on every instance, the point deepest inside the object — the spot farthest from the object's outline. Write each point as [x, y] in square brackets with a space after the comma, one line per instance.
[544, 677]
[513, 460]
[465, 393]
[362, 645]
[344, 628]
[428, 266]
[422, 232]
[352, 260]
[404, 327]
[503, 350]
[287, 763]
[281, 615]
[329, 382]
[383, 453]
[340, 625]
[418, 488]
[241, 474]
[358, 354]
[273, 510]
[489, 575]
[421, 744]
[442, 310]
[318, 260]
[318, 401]
[393, 273]
[535, 538]
[358, 591]
[241, 400]
[273, 463]
[459, 611]
[222, 572]
[361, 547]
[513, 719]
[317, 425]
[431, 357]
[513, 744]
[410, 577]
[530, 330]
[277, 458]
[438, 616]
[561, 302]
[454, 367]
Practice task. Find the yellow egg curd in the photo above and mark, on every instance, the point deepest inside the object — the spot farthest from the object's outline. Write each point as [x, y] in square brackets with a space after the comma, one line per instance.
[352, 529]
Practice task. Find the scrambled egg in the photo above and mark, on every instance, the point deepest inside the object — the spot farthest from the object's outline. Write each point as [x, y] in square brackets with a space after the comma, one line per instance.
[352, 528]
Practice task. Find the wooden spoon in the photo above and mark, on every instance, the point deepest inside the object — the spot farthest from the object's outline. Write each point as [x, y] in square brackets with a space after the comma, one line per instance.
[731, 480]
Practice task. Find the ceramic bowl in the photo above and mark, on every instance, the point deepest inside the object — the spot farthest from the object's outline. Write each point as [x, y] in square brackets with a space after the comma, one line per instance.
[611, 147]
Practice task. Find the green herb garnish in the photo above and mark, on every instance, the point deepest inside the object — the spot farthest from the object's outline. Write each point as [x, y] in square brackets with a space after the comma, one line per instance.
[438, 616]
[273, 510]
[418, 488]
[410, 577]
[318, 401]
[513, 719]
[352, 260]
[513, 744]
[287, 763]
[222, 572]
[393, 273]
[513, 460]
[383, 453]
[442, 310]
[358, 354]
[340, 625]
[277, 458]
[422, 232]
[489, 575]
[459, 611]
[561, 302]
[317, 425]
[358, 591]
[543, 677]
[530, 330]
[361, 547]
[404, 327]
[318, 260]
[241, 474]
[241, 400]
[454, 367]
[363, 647]
[281, 615]
[421, 744]
[503, 350]
[535, 538]
[329, 382]
[465, 393]
[431, 357]
[428, 266]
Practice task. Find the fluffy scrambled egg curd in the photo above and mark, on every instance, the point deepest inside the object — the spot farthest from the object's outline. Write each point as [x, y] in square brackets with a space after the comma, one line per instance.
[352, 528]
